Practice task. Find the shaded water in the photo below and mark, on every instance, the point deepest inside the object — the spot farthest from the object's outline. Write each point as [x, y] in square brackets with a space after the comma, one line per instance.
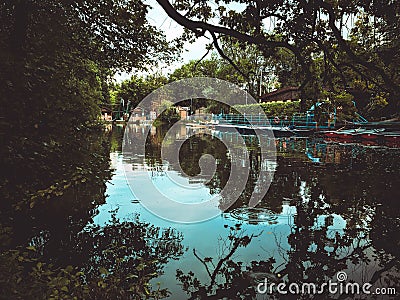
[331, 207]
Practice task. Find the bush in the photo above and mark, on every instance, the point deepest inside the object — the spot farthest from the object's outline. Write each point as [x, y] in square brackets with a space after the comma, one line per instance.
[271, 109]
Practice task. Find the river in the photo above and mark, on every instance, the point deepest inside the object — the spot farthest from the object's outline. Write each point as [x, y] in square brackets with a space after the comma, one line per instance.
[331, 207]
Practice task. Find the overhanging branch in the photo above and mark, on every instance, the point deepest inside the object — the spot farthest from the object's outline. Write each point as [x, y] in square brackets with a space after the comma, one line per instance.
[199, 28]
[224, 56]
[346, 48]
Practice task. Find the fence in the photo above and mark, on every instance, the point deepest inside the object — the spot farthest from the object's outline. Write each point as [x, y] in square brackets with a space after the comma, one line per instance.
[301, 121]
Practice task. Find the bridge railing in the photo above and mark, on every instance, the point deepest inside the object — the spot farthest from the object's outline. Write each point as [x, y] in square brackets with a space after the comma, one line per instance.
[305, 121]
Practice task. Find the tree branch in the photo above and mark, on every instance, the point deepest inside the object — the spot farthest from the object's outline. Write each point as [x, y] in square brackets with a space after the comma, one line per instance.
[224, 56]
[332, 61]
[203, 262]
[200, 60]
[356, 58]
[394, 262]
[199, 28]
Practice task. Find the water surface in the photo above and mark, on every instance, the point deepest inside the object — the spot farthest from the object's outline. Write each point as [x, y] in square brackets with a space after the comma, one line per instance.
[331, 207]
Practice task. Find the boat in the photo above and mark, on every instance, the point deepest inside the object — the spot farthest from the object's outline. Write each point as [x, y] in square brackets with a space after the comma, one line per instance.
[358, 133]
[251, 130]
[231, 127]
[331, 134]
[373, 134]
[393, 136]
[343, 133]
[370, 143]
[348, 134]
[279, 131]
[369, 136]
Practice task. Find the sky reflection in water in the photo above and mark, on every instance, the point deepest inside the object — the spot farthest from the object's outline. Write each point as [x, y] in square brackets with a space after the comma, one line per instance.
[324, 194]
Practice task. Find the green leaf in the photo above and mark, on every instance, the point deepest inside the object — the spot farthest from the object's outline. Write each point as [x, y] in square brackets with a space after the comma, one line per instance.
[64, 289]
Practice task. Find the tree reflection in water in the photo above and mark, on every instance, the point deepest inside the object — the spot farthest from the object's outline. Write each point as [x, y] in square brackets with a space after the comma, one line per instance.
[344, 199]
[228, 279]
[366, 250]
[347, 218]
[48, 250]
[127, 255]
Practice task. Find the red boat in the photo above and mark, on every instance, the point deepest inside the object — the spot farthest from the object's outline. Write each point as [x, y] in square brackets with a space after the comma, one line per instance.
[392, 137]
[369, 135]
[341, 134]
[346, 134]
[369, 143]
[331, 134]
[392, 144]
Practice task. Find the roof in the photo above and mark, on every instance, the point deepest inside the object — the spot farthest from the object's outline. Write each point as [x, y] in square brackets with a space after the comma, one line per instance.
[280, 91]
[105, 109]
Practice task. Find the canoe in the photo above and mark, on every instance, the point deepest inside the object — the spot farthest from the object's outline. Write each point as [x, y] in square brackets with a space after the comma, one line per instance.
[393, 136]
[369, 135]
[331, 134]
[373, 134]
[251, 130]
[347, 134]
[344, 134]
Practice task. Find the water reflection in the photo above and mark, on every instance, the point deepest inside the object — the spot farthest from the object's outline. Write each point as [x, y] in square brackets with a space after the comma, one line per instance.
[330, 207]
[56, 248]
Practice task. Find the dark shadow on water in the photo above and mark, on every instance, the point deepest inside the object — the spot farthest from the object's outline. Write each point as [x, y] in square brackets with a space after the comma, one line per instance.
[51, 248]
[331, 207]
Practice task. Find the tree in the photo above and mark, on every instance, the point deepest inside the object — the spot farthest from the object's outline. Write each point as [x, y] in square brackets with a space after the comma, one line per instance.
[307, 29]
[114, 261]
[137, 88]
[168, 113]
[56, 58]
[88, 38]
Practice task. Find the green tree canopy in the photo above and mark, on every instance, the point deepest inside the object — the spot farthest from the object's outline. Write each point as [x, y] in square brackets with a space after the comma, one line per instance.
[353, 40]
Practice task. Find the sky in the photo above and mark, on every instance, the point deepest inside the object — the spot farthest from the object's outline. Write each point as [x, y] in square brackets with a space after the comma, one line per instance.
[158, 18]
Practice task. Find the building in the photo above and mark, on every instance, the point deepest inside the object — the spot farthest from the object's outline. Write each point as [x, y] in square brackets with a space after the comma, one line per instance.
[153, 115]
[106, 114]
[284, 94]
[137, 115]
[183, 112]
